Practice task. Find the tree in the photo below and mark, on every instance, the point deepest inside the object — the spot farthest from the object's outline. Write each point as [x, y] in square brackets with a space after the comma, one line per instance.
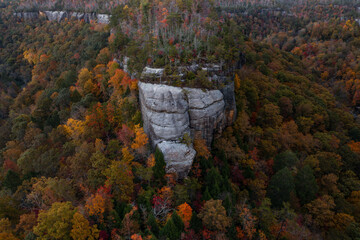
[82, 230]
[55, 223]
[170, 231]
[120, 179]
[269, 115]
[129, 225]
[201, 148]
[140, 140]
[342, 221]
[125, 135]
[178, 222]
[248, 222]
[98, 203]
[321, 210]
[49, 190]
[74, 128]
[159, 168]
[280, 187]
[306, 186]
[12, 180]
[285, 159]
[5, 230]
[154, 227]
[185, 212]
[27, 223]
[213, 216]
[214, 179]
[84, 76]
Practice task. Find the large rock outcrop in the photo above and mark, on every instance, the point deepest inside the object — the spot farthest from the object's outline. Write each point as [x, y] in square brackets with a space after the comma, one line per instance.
[170, 113]
[62, 15]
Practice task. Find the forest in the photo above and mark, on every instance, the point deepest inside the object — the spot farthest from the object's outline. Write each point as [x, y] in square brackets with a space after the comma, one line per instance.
[75, 162]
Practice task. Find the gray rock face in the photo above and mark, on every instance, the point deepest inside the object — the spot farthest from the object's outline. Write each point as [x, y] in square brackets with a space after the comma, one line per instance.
[171, 112]
[206, 111]
[103, 18]
[62, 15]
[165, 112]
[178, 157]
[27, 16]
[56, 15]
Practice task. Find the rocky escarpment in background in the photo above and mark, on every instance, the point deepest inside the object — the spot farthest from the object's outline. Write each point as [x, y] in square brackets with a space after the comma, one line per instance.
[62, 15]
[170, 114]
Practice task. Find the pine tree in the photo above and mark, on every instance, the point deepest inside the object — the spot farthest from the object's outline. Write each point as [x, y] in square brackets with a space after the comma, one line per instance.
[159, 168]
[280, 187]
[206, 195]
[178, 222]
[169, 231]
[306, 186]
[195, 223]
[214, 180]
[12, 180]
[153, 225]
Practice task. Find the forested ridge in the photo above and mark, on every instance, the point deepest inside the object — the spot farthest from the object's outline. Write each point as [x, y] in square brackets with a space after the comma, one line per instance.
[75, 162]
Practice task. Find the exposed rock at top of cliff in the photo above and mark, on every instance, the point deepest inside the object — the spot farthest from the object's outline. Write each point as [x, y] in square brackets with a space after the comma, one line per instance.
[169, 113]
[62, 15]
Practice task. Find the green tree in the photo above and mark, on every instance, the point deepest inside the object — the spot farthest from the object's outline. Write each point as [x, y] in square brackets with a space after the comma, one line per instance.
[170, 231]
[214, 181]
[178, 222]
[306, 186]
[12, 180]
[280, 187]
[159, 168]
[285, 159]
[154, 227]
[195, 222]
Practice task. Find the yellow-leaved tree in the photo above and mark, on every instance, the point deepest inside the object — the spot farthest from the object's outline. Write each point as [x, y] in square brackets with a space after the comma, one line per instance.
[55, 223]
[140, 140]
[82, 230]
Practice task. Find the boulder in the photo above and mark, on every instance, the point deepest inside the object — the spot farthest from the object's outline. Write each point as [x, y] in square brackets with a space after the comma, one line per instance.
[178, 157]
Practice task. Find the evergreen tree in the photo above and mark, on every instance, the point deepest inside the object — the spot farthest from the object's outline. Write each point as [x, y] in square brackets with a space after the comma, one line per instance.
[227, 204]
[195, 223]
[214, 180]
[306, 186]
[12, 180]
[285, 159]
[159, 168]
[280, 187]
[178, 222]
[154, 227]
[206, 196]
[170, 231]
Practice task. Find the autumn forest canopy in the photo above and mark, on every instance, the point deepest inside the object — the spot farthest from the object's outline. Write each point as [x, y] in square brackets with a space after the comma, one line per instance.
[76, 163]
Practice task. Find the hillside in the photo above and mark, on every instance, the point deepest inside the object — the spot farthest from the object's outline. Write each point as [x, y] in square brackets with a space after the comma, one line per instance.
[78, 159]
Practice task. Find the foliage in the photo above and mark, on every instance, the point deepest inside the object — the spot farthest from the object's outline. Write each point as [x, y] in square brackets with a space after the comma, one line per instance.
[213, 216]
[55, 222]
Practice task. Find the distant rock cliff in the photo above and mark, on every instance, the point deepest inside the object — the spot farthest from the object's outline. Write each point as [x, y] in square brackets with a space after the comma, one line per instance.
[62, 15]
[169, 113]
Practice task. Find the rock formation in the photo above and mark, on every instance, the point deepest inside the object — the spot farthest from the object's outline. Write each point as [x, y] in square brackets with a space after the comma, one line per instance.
[170, 113]
[62, 15]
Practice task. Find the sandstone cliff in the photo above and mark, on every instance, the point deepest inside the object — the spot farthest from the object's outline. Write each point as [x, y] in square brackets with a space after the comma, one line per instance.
[62, 15]
[170, 113]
